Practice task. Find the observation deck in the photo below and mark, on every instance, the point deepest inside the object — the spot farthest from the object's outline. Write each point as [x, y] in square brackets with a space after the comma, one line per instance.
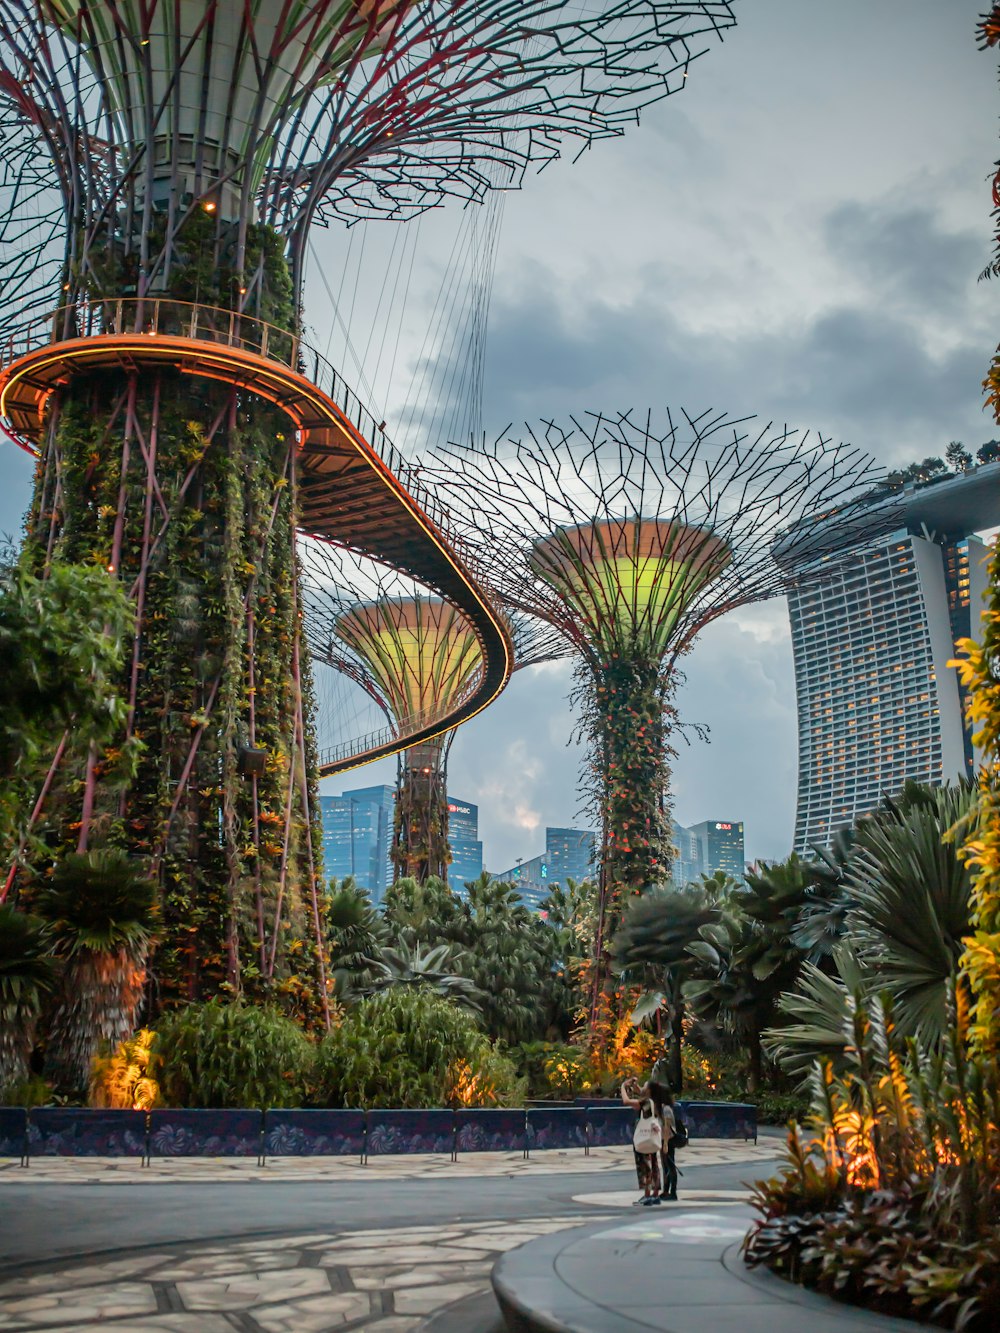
[355, 489]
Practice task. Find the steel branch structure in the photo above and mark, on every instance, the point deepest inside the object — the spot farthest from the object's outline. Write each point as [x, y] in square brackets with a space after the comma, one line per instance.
[182, 150]
[628, 535]
[284, 114]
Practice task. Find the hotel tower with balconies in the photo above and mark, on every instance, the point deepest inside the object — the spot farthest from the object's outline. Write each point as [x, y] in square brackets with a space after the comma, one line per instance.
[880, 600]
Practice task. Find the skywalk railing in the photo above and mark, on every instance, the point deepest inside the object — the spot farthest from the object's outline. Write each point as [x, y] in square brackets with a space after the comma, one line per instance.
[160, 316]
[99, 317]
[406, 726]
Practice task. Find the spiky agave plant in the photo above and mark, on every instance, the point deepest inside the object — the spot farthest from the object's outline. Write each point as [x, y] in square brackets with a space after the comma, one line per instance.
[101, 906]
[27, 975]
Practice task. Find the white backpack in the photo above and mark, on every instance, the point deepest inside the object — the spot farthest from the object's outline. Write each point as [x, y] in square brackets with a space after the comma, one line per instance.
[647, 1137]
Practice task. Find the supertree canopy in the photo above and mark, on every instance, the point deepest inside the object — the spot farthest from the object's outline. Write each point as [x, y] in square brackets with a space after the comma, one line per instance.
[178, 152]
[629, 536]
[273, 114]
[422, 655]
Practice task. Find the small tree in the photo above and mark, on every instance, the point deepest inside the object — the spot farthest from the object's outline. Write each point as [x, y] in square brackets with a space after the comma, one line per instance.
[958, 457]
[356, 936]
[653, 945]
[100, 906]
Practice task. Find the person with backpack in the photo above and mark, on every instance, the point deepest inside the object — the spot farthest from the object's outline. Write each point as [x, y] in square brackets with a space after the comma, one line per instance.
[674, 1132]
[648, 1138]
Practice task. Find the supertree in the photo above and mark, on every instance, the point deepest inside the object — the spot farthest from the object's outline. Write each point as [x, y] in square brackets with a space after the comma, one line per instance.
[183, 432]
[418, 658]
[629, 537]
[422, 654]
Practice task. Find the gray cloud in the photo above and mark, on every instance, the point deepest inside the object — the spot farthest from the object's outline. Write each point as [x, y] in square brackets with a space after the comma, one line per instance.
[797, 235]
[859, 369]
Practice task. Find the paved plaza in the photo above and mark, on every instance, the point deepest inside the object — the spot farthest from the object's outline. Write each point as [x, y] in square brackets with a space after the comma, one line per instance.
[193, 1246]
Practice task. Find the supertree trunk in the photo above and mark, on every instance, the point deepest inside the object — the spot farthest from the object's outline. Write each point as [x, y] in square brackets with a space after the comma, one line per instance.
[420, 846]
[630, 733]
[184, 488]
[627, 733]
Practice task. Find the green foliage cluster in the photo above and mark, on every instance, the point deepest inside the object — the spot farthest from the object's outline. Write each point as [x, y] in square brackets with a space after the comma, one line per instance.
[483, 948]
[895, 1203]
[408, 1047]
[751, 961]
[229, 1054]
[556, 1071]
[205, 269]
[62, 636]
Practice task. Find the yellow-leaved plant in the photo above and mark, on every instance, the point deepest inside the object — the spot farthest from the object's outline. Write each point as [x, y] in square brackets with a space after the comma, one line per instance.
[979, 669]
[121, 1081]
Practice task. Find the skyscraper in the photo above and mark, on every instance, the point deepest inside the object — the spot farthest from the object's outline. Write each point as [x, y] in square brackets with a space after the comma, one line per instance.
[686, 864]
[874, 619]
[720, 847]
[463, 838]
[357, 838]
[530, 878]
[571, 853]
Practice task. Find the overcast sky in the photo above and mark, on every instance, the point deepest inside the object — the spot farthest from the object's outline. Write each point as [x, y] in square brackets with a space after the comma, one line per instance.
[797, 235]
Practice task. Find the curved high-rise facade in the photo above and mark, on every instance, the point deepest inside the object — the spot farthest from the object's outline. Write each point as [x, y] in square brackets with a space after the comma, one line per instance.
[874, 620]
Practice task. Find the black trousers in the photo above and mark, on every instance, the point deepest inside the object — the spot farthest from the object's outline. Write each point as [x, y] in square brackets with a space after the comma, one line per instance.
[669, 1169]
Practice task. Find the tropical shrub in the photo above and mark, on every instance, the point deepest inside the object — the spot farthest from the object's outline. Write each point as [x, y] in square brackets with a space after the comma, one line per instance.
[910, 890]
[409, 1047]
[780, 1108]
[555, 1070]
[30, 1091]
[436, 968]
[895, 1203]
[229, 1054]
[980, 673]
[898, 1252]
[27, 975]
[121, 1081]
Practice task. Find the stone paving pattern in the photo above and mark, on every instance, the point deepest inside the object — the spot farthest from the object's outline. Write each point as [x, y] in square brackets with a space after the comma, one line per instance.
[388, 1281]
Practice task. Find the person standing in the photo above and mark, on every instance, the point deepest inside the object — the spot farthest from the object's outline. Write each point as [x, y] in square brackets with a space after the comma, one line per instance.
[661, 1094]
[647, 1140]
